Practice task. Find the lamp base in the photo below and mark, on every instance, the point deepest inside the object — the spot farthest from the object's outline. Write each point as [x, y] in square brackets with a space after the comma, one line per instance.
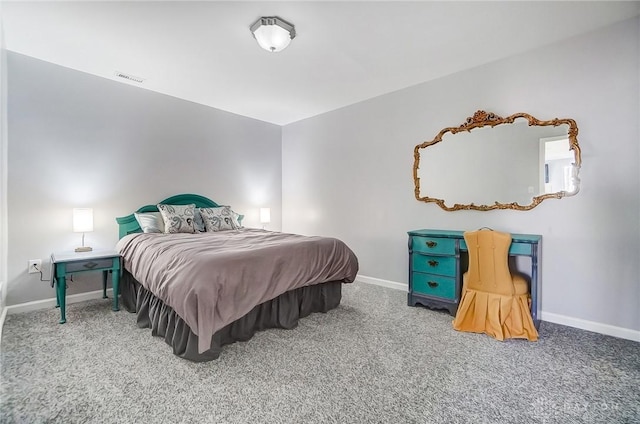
[83, 249]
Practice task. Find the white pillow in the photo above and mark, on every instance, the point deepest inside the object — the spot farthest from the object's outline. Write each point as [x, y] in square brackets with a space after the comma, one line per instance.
[150, 222]
[178, 218]
[218, 219]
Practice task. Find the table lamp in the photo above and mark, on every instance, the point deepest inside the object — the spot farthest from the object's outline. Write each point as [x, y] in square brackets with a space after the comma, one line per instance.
[265, 216]
[83, 223]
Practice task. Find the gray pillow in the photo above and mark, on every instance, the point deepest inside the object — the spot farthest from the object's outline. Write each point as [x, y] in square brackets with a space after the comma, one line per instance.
[198, 223]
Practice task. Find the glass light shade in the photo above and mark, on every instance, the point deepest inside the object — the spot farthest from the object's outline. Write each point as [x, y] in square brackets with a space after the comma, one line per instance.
[82, 220]
[272, 33]
[265, 215]
[272, 38]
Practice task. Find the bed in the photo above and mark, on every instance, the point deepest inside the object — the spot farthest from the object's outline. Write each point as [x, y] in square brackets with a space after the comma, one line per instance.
[203, 290]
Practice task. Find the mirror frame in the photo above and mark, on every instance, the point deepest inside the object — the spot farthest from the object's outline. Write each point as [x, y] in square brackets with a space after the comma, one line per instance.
[481, 119]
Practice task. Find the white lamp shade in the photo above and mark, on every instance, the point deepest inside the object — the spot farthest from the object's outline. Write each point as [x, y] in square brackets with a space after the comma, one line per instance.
[82, 220]
[265, 215]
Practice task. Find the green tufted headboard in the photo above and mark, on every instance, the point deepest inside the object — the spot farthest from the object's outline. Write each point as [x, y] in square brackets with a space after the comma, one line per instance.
[129, 225]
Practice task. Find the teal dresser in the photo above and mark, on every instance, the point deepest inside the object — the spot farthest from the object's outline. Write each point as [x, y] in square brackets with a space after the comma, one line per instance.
[438, 258]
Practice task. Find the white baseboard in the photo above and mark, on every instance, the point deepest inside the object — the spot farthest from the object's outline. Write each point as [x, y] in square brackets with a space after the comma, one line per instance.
[596, 327]
[3, 315]
[50, 303]
[383, 283]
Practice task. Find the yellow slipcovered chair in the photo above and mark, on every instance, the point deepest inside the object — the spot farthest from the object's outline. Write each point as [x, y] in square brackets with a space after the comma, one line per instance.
[494, 301]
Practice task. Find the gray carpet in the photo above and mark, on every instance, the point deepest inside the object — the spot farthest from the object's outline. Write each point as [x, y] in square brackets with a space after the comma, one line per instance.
[372, 360]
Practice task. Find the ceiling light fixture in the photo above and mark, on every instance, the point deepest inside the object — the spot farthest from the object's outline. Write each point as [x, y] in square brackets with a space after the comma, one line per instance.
[273, 33]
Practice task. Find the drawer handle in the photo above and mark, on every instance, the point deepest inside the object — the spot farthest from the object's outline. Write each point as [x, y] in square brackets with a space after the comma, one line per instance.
[90, 265]
[433, 263]
[432, 284]
[431, 244]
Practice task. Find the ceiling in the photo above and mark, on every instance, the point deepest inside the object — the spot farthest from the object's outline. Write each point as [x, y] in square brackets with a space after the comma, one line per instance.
[344, 52]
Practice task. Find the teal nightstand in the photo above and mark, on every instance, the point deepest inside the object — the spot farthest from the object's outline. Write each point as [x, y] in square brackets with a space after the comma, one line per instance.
[68, 263]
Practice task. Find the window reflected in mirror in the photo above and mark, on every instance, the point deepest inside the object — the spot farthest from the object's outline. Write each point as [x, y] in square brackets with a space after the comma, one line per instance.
[557, 165]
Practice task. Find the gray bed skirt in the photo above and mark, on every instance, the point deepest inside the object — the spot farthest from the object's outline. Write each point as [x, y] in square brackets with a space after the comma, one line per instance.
[282, 312]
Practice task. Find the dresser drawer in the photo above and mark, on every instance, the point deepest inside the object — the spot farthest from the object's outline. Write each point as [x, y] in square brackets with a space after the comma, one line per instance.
[434, 285]
[88, 265]
[438, 245]
[441, 265]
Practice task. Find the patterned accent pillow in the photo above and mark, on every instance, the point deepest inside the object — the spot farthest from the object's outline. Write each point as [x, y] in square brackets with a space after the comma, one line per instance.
[150, 222]
[218, 219]
[178, 218]
[236, 217]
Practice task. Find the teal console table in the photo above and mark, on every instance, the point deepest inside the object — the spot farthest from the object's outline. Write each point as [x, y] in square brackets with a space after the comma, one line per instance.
[438, 258]
[65, 264]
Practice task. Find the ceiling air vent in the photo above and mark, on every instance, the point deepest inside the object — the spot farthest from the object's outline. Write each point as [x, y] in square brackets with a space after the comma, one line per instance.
[129, 77]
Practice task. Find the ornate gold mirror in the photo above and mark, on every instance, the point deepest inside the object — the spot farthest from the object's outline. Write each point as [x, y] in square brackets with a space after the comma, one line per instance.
[490, 162]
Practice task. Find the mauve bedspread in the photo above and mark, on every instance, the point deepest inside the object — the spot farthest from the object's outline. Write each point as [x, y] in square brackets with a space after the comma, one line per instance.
[213, 279]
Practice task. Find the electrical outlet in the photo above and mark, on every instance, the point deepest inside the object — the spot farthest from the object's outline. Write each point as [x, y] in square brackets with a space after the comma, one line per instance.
[35, 266]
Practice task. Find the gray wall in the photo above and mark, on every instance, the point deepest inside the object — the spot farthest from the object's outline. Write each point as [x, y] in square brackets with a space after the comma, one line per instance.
[348, 173]
[77, 140]
[3, 168]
